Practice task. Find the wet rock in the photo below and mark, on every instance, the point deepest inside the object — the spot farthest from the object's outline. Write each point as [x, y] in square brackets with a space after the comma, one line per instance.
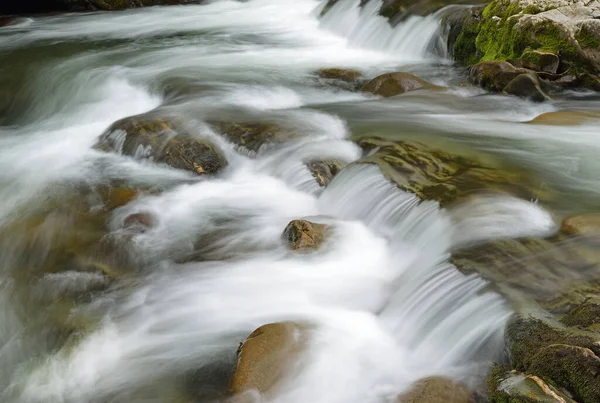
[164, 140]
[515, 387]
[254, 136]
[565, 118]
[267, 354]
[575, 368]
[527, 86]
[445, 175]
[540, 61]
[139, 222]
[583, 225]
[494, 76]
[347, 75]
[325, 171]
[391, 84]
[437, 390]
[304, 236]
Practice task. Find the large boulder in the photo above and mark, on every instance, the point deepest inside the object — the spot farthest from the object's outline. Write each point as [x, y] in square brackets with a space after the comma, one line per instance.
[559, 36]
[437, 390]
[304, 236]
[267, 355]
[164, 140]
[390, 84]
[445, 175]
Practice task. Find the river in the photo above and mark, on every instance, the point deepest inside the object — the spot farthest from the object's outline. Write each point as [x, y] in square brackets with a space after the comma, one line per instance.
[389, 307]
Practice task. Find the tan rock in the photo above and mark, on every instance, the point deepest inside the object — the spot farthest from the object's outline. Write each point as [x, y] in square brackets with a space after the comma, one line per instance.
[266, 355]
[437, 390]
[304, 236]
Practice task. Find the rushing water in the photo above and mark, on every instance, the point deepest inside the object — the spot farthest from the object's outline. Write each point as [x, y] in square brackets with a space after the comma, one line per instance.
[389, 307]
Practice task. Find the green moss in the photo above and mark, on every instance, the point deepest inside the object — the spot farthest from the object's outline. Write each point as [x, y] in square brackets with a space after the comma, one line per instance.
[587, 39]
[532, 9]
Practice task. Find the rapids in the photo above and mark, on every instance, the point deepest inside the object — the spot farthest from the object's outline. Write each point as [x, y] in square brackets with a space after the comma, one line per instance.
[389, 306]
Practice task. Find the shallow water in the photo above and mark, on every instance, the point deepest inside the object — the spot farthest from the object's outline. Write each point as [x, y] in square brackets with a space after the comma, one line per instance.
[389, 308]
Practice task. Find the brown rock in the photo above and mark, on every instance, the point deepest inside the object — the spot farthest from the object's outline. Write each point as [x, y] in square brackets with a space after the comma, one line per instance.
[390, 84]
[266, 355]
[493, 76]
[346, 75]
[437, 390]
[514, 387]
[165, 140]
[583, 225]
[138, 220]
[303, 236]
[325, 171]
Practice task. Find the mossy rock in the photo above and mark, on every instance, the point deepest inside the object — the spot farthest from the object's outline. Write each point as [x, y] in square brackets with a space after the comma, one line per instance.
[494, 76]
[164, 140]
[446, 176]
[585, 315]
[254, 136]
[528, 32]
[305, 236]
[391, 84]
[506, 386]
[572, 367]
[527, 86]
[267, 356]
[437, 389]
[325, 171]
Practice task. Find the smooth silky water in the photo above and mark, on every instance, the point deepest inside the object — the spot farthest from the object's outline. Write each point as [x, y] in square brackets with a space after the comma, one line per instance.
[388, 306]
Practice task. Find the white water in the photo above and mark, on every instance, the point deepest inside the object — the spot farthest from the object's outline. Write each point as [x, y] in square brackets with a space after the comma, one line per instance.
[388, 307]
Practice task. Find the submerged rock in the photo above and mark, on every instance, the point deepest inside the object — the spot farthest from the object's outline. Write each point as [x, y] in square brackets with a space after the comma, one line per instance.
[254, 136]
[437, 390]
[304, 236]
[267, 355]
[445, 176]
[390, 84]
[347, 75]
[565, 118]
[164, 140]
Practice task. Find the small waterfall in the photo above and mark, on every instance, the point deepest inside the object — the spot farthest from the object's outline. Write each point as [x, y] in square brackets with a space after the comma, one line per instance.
[414, 39]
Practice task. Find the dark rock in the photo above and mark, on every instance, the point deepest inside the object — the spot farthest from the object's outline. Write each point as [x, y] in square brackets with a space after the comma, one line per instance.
[164, 140]
[304, 236]
[493, 76]
[527, 86]
[390, 84]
